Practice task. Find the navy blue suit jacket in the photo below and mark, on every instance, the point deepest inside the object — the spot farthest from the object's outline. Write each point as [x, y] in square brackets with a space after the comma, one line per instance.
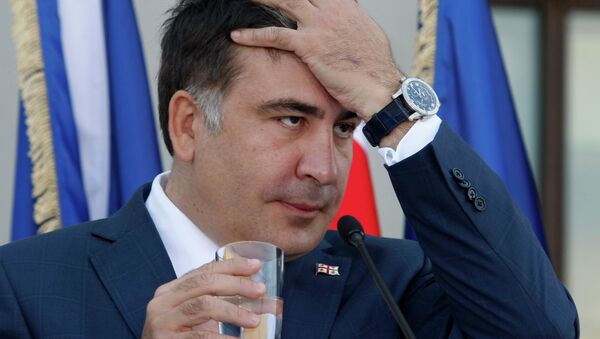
[478, 272]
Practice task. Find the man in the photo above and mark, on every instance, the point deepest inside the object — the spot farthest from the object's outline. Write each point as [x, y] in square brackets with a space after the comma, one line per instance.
[262, 143]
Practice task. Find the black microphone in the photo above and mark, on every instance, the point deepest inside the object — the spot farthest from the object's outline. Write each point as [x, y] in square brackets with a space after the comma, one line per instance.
[352, 232]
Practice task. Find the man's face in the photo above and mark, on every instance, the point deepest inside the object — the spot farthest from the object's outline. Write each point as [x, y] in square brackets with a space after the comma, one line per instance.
[277, 171]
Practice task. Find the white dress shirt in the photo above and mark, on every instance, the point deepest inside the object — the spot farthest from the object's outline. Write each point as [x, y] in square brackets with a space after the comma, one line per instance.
[189, 248]
[419, 135]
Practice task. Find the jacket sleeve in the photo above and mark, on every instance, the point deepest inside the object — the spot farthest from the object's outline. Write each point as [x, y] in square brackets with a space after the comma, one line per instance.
[12, 322]
[486, 266]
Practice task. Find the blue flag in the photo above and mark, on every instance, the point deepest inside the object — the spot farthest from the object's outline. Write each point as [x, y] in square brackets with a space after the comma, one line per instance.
[86, 130]
[471, 82]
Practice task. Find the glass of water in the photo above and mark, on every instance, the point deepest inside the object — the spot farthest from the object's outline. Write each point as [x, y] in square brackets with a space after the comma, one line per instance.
[270, 307]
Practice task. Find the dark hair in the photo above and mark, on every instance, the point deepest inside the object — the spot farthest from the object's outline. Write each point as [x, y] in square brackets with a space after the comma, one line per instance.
[198, 54]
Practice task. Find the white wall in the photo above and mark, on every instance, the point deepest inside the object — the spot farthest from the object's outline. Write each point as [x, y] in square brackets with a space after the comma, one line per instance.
[582, 149]
[398, 19]
[519, 30]
[8, 118]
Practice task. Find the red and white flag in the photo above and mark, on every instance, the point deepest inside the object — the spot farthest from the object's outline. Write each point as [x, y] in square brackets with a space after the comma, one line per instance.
[327, 269]
[359, 200]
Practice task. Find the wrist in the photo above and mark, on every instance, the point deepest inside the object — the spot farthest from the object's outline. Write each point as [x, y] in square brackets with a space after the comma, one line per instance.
[413, 101]
[377, 100]
[393, 139]
[380, 95]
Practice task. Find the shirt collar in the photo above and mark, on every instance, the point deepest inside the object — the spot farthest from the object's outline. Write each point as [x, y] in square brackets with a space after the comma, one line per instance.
[187, 246]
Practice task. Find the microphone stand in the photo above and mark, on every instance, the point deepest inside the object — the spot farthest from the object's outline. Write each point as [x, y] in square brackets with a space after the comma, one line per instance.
[358, 241]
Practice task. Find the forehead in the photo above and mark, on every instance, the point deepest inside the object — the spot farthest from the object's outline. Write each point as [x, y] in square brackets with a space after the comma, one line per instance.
[264, 76]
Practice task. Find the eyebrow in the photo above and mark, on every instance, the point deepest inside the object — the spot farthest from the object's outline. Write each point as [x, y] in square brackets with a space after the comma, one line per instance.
[347, 115]
[288, 104]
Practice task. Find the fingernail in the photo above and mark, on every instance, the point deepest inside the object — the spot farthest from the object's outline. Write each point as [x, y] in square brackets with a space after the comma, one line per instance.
[260, 287]
[254, 319]
[253, 262]
[236, 35]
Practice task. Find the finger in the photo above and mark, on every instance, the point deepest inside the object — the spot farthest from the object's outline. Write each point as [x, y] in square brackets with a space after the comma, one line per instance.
[204, 283]
[202, 309]
[264, 306]
[298, 10]
[236, 266]
[233, 266]
[274, 37]
[202, 335]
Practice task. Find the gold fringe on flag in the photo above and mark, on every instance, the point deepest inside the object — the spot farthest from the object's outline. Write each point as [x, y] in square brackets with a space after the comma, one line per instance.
[424, 64]
[32, 84]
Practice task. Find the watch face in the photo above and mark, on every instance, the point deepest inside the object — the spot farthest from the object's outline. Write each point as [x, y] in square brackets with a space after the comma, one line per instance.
[420, 96]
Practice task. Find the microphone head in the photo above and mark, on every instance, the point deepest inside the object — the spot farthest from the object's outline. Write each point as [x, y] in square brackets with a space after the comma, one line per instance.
[348, 227]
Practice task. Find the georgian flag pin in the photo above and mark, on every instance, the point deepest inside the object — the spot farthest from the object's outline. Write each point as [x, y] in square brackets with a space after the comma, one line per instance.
[327, 269]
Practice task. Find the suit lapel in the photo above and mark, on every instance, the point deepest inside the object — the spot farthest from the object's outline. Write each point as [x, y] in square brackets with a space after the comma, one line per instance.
[132, 262]
[311, 301]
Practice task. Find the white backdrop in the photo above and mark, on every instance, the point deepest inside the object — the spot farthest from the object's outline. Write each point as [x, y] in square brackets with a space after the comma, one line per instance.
[398, 19]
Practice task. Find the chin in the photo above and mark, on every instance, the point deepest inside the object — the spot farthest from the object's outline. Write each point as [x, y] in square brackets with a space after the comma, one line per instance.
[296, 234]
[296, 244]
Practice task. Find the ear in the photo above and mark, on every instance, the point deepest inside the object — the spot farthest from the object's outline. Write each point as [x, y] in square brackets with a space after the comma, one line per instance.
[182, 114]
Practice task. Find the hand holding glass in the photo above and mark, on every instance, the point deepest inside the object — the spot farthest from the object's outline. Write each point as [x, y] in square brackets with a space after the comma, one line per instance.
[270, 307]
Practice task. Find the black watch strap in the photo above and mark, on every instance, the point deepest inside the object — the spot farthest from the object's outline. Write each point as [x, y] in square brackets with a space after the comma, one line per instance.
[383, 122]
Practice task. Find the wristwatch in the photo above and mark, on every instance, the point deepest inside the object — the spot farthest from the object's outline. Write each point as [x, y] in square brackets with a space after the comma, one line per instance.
[414, 100]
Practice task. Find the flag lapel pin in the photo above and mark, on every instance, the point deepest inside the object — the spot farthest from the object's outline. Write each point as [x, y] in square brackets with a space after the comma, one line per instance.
[327, 269]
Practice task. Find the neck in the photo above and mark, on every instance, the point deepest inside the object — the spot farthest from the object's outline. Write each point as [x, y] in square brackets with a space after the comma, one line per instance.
[181, 193]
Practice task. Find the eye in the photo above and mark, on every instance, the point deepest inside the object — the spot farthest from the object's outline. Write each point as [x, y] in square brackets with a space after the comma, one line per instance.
[344, 129]
[291, 121]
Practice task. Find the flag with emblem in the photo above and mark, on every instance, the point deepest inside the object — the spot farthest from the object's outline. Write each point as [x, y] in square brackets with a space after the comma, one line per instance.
[327, 269]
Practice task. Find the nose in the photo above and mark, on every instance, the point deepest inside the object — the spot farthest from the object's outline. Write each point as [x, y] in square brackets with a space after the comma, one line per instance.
[318, 160]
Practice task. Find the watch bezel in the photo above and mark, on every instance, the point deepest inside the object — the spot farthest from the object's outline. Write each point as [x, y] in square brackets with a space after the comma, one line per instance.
[412, 105]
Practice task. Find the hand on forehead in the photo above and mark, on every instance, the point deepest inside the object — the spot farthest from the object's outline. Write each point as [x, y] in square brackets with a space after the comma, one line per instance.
[342, 46]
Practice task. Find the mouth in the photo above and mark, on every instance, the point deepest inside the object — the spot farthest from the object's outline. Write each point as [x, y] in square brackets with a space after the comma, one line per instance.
[303, 210]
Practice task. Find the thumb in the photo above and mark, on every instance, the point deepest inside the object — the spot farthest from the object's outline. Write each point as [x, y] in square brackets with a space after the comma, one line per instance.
[273, 37]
